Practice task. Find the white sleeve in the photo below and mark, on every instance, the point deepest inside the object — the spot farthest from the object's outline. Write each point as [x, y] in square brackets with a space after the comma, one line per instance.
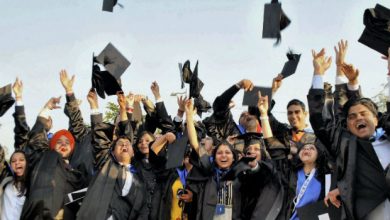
[318, 82]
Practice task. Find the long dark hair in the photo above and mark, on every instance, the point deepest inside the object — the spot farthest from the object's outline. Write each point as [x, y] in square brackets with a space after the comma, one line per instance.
[20, 182]
[321, 161]
[137, 152]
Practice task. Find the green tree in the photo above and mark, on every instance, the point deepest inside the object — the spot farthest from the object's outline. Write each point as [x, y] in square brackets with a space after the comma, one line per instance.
[112, 111]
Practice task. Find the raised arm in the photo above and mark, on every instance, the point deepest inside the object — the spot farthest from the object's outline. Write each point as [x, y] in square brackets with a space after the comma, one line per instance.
[165, 122]
[37, 138]
[347, 85]
[277, 127]
[192, 136]
[323, 127]
[76, 122]
[162, 141]
[101, 132]
[221, 103]
[21, 129]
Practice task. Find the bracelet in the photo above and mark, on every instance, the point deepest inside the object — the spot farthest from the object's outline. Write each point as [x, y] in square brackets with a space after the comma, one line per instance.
[264, 118]
[18, 97]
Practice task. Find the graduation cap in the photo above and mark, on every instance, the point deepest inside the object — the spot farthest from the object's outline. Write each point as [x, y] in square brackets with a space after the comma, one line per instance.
[274, 21]
[201, 105]
[191, 77]
[176, 152]
[181, 75]
[6, 99]
[251, 138]
[291, 65]
[108, 5]
[318, 211]
[108, 81]
[376, 34]
[251, 97]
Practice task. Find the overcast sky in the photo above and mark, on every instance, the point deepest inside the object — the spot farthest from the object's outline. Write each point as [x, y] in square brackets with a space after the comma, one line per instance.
[41, 37]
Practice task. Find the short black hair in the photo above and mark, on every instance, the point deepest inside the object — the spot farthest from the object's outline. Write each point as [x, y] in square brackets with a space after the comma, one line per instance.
[368, 103]
[297, 102]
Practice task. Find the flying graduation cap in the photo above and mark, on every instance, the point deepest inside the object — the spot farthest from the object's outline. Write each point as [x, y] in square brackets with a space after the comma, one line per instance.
[201, 105]
[291, 65]
[108, 5]
[191, 77]
[376, 34]
[251, 97]
[196, 85]
[275, 20]
[108, 81]
[6, 99]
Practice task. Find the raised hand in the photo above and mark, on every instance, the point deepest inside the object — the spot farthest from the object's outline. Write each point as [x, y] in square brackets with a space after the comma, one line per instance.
[53, 103]
[351, 73]
[245, 84]
[18, 89]
[92, 99]
[321, 63]
[189, 108]
[139, 98]
[121, 100]
[155, 90]
[262, 104]
[130, 100]
[341, 51]
[181, 102]
[277, 83]
[67, 82]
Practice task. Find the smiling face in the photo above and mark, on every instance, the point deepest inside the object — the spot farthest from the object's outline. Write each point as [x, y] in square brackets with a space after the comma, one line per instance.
[253, 150]
[296, 117]
[143, 143]
[224, 157]
[63, 146]
[123, 151]
[308, 154]
[18, 163]
[361, 121]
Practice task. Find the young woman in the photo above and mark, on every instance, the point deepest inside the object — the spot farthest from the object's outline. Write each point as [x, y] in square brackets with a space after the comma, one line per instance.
[13, 188]
[306, 177]
[216, 195]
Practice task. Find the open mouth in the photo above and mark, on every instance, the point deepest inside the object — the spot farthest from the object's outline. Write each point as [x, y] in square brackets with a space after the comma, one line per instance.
[63, 149]
[360, 126]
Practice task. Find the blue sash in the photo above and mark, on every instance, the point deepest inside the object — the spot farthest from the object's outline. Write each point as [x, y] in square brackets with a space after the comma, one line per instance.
[308, 191]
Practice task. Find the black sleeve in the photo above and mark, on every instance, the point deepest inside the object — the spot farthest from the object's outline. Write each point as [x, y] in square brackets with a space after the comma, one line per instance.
[37, 141]
[21, 129]
[101, 139]
[325, 128]
[165, 122]
[76, 123]
[221, 103]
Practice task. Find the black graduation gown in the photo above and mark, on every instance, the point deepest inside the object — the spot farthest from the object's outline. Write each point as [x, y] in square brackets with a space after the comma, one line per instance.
[50, 178]
[103, 197]
[341, 144]
[221, 124]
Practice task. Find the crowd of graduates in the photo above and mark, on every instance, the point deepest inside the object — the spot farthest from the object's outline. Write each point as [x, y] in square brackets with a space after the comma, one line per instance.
[175, 168]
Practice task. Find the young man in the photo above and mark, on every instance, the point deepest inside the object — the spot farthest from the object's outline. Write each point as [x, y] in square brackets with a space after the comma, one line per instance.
[360, 144]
